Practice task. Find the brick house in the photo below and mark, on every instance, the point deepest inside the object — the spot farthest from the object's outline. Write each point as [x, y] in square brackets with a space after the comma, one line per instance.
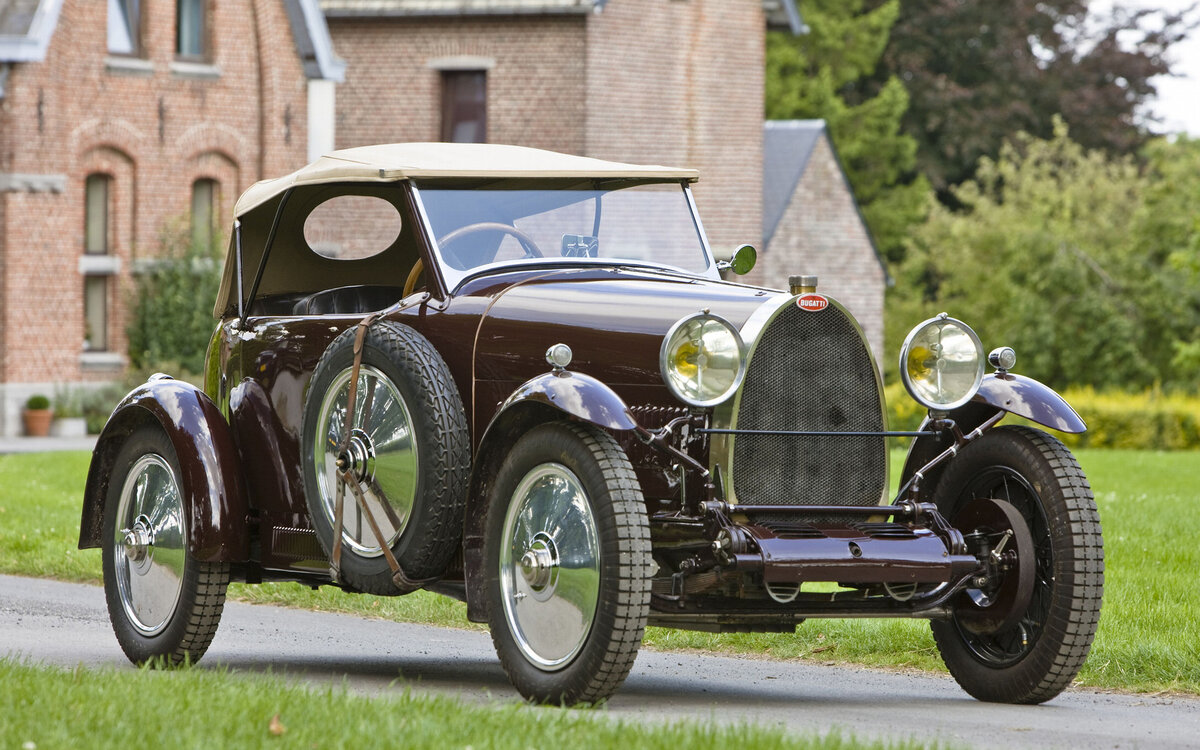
[116, 117]
[675, 82]
[812, 225]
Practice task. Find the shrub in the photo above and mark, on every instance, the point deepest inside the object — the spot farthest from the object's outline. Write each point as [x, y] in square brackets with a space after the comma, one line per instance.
[171, 318]
[37, 402]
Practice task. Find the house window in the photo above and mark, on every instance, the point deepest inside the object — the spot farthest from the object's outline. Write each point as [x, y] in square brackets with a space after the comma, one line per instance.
[96, 243]
[125, 27]
[204, 201]
[190, 34]
[464, 106]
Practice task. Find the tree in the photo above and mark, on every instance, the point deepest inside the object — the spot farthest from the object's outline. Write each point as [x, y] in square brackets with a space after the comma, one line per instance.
[1081, 262]
[807, 77]
[980, 71]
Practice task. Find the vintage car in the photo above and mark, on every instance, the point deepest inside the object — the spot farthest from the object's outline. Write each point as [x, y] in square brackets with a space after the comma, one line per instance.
[517, 378]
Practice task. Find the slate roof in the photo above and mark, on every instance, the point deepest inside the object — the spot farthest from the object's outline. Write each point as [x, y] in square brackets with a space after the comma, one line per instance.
[787, 147]
[25, 29]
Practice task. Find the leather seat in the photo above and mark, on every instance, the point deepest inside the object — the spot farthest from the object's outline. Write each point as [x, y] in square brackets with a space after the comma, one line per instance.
[348, 300]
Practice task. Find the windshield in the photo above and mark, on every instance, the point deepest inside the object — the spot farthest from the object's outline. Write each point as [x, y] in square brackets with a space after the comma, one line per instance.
[641, 223]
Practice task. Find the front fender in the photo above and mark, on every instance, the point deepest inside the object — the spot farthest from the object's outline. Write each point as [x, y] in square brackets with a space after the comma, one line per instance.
[214, 497]
[1015, 394]
[581, 396]
[1028, 398]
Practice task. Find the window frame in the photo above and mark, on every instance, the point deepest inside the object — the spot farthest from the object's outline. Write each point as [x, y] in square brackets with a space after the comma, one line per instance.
[134, 29]
[203, 55]
[452, 103]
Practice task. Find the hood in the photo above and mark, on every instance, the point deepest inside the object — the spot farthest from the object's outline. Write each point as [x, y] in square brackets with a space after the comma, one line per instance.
[614, 320]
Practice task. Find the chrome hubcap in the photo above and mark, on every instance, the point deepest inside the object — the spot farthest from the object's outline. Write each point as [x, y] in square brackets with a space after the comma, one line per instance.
[381, 456]
[550, 566]
[149, 548]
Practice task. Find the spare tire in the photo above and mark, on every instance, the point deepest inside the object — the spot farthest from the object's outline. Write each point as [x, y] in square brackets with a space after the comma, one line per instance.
[409, 454]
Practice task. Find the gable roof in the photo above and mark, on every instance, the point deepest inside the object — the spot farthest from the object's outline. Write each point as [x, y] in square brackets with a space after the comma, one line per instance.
[402, 161]
[787, 147]
[25, 29]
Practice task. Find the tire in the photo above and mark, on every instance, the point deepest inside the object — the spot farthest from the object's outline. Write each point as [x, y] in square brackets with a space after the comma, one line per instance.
[567, 626]
[1034, 659]
[164, 604]
[410, 456]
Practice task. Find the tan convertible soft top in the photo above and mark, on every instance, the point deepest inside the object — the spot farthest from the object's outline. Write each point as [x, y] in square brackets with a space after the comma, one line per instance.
[401, 161]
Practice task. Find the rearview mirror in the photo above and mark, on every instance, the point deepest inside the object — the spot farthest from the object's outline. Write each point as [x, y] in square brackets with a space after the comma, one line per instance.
[743, 260]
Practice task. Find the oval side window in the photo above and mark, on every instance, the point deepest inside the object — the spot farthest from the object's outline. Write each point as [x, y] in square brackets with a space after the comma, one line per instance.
[352, 227]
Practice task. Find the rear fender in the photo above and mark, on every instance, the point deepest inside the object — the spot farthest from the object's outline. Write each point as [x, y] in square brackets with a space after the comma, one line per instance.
[546, 398]
[214, 497]
[999, 392]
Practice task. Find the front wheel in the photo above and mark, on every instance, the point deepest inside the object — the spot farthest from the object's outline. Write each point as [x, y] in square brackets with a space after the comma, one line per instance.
[1031, 654]
[163, 603]
[568, 554]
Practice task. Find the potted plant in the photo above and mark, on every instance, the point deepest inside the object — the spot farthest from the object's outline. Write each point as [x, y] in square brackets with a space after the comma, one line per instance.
[37, 416]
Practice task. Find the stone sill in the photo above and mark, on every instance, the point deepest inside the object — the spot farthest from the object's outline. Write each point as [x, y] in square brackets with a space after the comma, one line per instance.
[128, 65]
[98, 265]
[101, 361]
[198, 71]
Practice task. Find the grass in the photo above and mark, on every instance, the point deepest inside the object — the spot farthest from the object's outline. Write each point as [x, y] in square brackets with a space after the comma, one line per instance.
[54, 708]
[1149, 637]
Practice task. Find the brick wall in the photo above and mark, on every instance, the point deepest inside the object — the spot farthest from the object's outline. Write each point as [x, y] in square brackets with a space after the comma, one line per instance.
[154, 127]
[681, 83]
[655, 81]
[822, 233]
[392, 93]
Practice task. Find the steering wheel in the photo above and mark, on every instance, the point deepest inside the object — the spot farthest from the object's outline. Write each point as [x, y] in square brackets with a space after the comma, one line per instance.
[527, 244]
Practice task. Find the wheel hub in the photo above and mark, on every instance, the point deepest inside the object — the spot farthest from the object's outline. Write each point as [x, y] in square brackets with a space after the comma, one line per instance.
[540, 562]
[138, 542]
[359, 458]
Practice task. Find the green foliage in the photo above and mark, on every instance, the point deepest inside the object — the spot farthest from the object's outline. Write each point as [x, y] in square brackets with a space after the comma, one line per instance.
[980, 71]
[172, 306]
[1084, 265]
[37, 402]
[807, 77]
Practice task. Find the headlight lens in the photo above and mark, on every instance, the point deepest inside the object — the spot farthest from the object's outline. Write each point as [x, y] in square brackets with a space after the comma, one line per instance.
[941, 363]
[702, 360]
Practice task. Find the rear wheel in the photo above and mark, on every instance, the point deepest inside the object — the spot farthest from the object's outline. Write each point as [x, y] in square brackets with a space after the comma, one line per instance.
[568, 549]
[1029, 655]
[163, 603]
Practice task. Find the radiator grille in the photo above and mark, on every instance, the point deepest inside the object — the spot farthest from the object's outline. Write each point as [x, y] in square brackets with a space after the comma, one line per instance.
[810, 371]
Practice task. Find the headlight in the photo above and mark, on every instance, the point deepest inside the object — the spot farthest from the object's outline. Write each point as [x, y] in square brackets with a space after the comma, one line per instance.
[702, 360]
[941, 363]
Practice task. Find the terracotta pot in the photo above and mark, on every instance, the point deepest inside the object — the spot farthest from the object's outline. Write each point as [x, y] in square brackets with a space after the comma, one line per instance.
[37, 421]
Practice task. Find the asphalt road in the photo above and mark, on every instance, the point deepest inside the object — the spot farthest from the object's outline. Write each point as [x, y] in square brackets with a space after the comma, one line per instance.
[67, 624]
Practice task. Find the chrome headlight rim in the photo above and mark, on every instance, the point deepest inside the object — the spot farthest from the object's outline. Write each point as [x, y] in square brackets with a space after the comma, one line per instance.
[665, 358]
[944, 320]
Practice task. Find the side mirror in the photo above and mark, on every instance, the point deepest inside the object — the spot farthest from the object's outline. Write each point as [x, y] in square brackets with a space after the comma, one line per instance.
[742, 261]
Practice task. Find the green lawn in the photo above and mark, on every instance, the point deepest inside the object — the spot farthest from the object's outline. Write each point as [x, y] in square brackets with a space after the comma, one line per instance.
[1149, 638]
[54, 708]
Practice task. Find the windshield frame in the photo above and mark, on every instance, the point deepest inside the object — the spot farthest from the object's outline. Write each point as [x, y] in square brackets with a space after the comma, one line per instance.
[454, 278]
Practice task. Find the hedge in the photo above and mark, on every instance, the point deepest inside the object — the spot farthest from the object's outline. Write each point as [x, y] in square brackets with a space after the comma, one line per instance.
[1145, 421]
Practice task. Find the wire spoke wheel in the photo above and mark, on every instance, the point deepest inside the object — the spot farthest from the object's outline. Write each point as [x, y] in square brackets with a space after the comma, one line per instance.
[1033, 646]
